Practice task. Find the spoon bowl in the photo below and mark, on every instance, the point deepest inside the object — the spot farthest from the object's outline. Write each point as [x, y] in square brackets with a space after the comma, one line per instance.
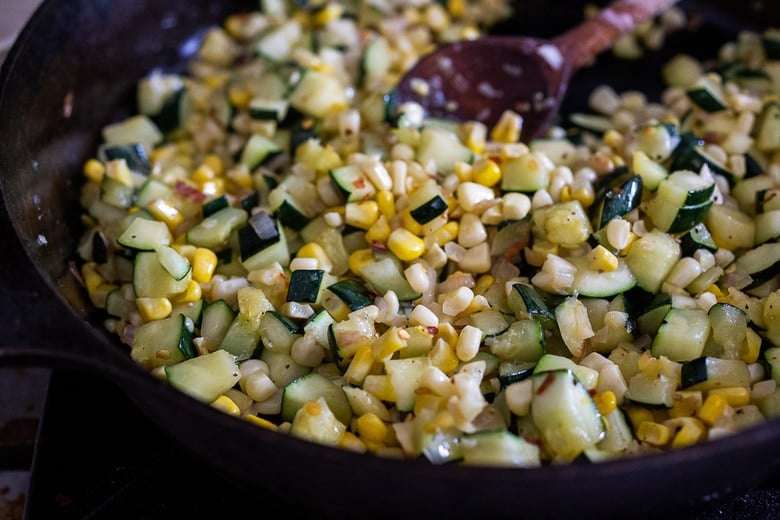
[478, 80]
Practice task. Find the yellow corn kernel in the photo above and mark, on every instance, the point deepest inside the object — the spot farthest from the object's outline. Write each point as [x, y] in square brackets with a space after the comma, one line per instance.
[443, 356]
[654, 433]
[713, 408]
[565, 194]
[446, 233]
[690, 432]
[327, 13]
[469, 32]
[613, 139]
[214, 162]
[475, 135]
[601, 259]
[371, 428]
[408, 222]
[456, 8]
[204, 263]
[447, 332]
[350, 441]
[259, 421]
[751, 347]
[94, 170]
[361, 214]
[638, 415]
[241, 177]
[239, 97]
[215, 81]
[203, 173]
[379, 231]
[483, 283]
[314, 250]
[226, 404]
[585, 195]
[166, 212]
[193, 293]
[360, 365]
[212, 188]
[92, 278]
[464, 171]
[734, 395]
[154, 308]
[405, 245]
[508, 128]
[386, 203]
[118, 170]
[685, 404]
[487, 172]
[606, 402]
[359, 258]
[632, 237]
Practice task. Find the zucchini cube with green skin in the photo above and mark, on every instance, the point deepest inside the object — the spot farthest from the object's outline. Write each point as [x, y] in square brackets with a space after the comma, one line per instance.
[278, 332]
[309, 388]
[262, 242]
[306, 286]
[205, 377]
[706, 373]
[620, 197]
[213, 231]
[352, 184]
[134, 155]
[499, 448]
[426, 202]
[565, 414]
[522, 341]
[683, 334]
[163, 342]
[354, 294]
[651, 258]
[443, 148]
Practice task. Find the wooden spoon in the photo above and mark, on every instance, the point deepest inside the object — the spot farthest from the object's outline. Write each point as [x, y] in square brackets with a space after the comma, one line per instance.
[480, 79]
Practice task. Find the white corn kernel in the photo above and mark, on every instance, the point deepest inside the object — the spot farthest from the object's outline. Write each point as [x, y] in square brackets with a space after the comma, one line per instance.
[471, 231]
[259, 386]
[303, 263]
[618, 231]
[457, 301]
[417, 276]
[705, 258]
[516, 206]
[468, 343]
[684, 272]
[423, 316]
[471, 193]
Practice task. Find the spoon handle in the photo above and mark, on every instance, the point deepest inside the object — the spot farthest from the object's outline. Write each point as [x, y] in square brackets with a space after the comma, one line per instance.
[582, 43]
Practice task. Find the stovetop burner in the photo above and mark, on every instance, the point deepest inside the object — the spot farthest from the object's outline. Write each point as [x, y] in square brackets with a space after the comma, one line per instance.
[99, 457]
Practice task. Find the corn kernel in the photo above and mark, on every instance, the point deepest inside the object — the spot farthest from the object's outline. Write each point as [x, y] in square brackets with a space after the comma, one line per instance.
[613, 139]
[483, 283]
[371, 428]
[350, 441]
[601, 259]
[212, 188]
[386, 203]
[405, 245]
[166, 212]
[314, 250]
[444, 357]
[192, 294]
[203, 173]
[361, 214]
[691, 431]
[751, 347]
[259, 421]
[585, 195]
[654, 433]
[380, 387]
[508, 128]
[685, 404]
[713, 408]
[446, 233]
[359, 258]
[154, 308]
[94, 170]
[226, 404]
[606, 402]
[464, 171]
[390, 342]
[215, 163]
[476, 135]
[92, 278]
[456, 8]
[734, 395]
[240, 177]
[487, 172]
[327, 13]
[204, 263]
[639, 415]
[239, 97]
[379, 231]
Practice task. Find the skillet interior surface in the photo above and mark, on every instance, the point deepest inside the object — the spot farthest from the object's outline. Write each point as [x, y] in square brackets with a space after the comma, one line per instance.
[73, 71]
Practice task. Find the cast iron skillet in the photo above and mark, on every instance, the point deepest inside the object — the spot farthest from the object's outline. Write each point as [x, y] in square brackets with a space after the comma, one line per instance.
[73, 70]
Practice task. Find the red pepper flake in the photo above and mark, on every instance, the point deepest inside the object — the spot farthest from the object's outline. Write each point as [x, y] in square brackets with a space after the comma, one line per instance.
[433, 330]
[359, 183]
[189, 192]
[379, 247]
[548, 380]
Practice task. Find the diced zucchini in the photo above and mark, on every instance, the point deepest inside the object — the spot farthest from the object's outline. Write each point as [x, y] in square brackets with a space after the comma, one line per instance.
[116, 193]
[729, 329]
[682, 335]
[707, 93]
[384, 275]
[177, 265]
[278, 332]
[310, 387]
[213, 231]
[767, 226]
[499, 448]
[551, 363]
[354, 294]
[525, 301]
[761, 263]
[262, 242]
[565, 413]
[136, 129]
[133, 154]
[443, 148]
[258, 150]
[351, 182]
[152, 280]
[145, 235]
[163, 342]
[651, 258]
[426, 202]
[282, 368]
[491, 322]
[592, 123]
[277, 44]
[706, 373]
[151, 191]
[601, 284]
[405, 375]
[377, 60]
[523, 341]
[559, 151]
[264, 109]
[620, 197]
[768, 133]
[731, 228]
[528, 173]
[205, 377]
[217, 318]
[653, 315]
[317, 93]
[242, 336]
[698, 237]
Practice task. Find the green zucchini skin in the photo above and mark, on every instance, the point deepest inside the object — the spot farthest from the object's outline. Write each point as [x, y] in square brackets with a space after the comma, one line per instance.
[619, 196]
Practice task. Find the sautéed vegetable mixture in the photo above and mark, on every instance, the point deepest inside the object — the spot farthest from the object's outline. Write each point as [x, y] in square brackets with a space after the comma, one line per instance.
[271, 239]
